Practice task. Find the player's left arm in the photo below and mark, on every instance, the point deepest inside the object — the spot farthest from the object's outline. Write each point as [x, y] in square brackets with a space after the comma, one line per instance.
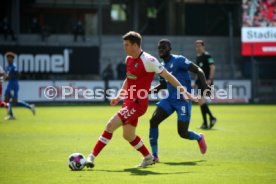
[211, 63]
[212, 74]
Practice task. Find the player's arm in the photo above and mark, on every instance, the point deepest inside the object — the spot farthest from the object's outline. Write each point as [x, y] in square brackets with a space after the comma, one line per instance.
[162, 85]
[212, 67]
[212, 74]
[171, 79]
[121, 93]
[200, 75]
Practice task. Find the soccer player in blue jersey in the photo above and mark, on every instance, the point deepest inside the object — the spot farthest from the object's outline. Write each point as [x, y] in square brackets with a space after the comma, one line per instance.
[11, 93]
[179, 66]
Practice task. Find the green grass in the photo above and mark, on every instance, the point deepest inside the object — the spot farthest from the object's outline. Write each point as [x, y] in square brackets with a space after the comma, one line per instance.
[241, 148]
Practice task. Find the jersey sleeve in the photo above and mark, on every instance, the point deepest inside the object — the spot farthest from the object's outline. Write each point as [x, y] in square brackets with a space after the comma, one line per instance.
[210, 60]
[126, 59]
[184, 63]
[153, 65]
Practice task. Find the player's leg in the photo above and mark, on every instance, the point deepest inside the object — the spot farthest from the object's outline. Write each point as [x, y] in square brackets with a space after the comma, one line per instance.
[158, 116]
[21, 102]
[184, 115]
[213, 120]
[201, 102]
[135, 141]
[7, 100]
[205, 110]
[183, 110]
[114, 123]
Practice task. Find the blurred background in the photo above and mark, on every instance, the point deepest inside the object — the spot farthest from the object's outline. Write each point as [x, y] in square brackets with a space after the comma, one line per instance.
[78, 42]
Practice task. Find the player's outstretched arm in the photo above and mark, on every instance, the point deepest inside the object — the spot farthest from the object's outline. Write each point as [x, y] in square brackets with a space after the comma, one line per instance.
[122, 92]
[171, 79]
[200, 74]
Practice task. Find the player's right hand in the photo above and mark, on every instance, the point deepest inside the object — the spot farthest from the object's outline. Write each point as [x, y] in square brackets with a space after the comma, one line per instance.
[188, 96]
[114, 101]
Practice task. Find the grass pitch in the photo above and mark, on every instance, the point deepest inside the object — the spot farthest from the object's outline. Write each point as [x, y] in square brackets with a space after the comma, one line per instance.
[241, 147]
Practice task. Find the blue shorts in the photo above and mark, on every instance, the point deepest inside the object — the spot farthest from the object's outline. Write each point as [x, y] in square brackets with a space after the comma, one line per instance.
[182, 108]
[12, 91]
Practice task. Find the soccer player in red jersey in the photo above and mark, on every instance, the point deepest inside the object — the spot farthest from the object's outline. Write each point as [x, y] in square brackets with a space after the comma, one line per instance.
[141, 68]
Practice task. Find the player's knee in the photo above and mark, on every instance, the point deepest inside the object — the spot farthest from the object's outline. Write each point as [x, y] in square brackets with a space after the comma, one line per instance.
[183, 134]
[154, 122]
[128, 137]
[109, 127]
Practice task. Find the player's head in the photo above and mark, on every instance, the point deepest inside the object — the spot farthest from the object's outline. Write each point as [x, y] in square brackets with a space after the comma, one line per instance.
[10, 56]
[132, 42]
[200, 46]
[164, 48]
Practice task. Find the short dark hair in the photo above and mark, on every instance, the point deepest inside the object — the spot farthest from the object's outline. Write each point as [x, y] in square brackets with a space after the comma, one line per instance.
[166, 41]
[133, 37]
[199, 42]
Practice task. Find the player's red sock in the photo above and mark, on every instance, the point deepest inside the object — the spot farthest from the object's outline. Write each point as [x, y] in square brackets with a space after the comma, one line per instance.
[103, 140]
[139, 146]
[4, 104]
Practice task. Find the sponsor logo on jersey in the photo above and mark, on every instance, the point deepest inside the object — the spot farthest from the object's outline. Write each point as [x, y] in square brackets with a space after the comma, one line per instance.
[131, 76]
[171, 66]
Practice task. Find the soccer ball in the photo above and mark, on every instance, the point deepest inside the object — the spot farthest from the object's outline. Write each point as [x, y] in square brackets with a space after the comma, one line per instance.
[76, 161]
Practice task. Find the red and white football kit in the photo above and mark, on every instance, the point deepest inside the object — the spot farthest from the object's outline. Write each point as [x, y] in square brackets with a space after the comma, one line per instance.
[140, 73]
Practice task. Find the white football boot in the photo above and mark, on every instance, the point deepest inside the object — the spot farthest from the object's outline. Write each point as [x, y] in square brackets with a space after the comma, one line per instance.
[90, 161]
[148, 160]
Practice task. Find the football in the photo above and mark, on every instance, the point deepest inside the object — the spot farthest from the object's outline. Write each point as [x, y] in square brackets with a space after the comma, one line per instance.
[76, 161]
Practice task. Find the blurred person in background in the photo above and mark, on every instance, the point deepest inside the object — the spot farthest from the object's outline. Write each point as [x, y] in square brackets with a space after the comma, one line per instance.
[78, 30]
[6, 29]
[11, 92]
[205, 61]
[121, 71]
[108, 73]
[35, 26]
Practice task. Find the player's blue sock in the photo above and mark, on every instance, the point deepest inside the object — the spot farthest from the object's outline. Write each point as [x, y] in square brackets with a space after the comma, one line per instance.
[153, 136]
[24, 104]
[10, 110]
[194, 136]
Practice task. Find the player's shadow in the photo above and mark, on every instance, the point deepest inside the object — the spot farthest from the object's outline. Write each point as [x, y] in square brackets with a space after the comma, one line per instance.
[141, 171]
[193, 163]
